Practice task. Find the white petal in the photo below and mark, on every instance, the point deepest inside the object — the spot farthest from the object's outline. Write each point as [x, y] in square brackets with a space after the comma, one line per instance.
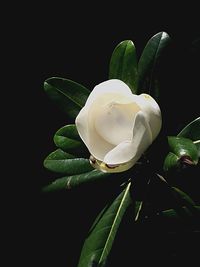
[112, 90]
[107, 93]
[115, 122]
[132, 150]
[152, 112]
[97, 146]
[82, 125]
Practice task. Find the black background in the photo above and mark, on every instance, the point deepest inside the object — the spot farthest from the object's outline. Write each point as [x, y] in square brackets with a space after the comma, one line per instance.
[77, 43]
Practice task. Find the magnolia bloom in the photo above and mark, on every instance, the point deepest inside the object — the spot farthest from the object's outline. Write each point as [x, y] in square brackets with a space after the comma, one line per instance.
[117, 126]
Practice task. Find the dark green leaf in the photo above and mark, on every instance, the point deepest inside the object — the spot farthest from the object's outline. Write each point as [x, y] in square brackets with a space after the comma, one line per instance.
[197, 144]
[137, 209]
[62, 162]
[148, 63]
[99, 242]
[182, 147]
[123, 64]
[177, 199]
[69, 182]
[185, 199]
[192, 131]
[182, 151]
[171, 161]
[67, 138]
[174, 214]
[68, 95]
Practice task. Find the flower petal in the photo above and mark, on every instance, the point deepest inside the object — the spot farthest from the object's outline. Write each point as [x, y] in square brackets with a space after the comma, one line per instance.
[113, 88]
[152, 112]
[85, 123]
[109, 92]
[82, 125]
[115, 122]
[132, 150]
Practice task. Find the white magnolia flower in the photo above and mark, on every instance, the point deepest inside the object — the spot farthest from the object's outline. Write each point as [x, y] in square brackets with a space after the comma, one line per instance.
[117, 126]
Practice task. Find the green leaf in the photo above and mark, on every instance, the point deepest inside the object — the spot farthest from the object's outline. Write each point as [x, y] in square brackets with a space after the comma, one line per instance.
[99, 241]
[73, 181]
[192, 131]
[65, 163]
[171, 162]
[182, 147]
[178, 200]
[68, 95]
[137, 209]
[182, 151]
[148, 63]
[175, 215]
[197, 144]
[67, 138]
[123, 64]
[185, 199]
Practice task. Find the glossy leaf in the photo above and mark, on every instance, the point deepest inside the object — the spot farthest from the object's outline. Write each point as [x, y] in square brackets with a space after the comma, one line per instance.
[69, 182]
[67, 138]
[148, 62]
[100, 239]
[65, 163]
[123, 64]
[192, 131]
[68, 95]
[182, 151]
[171, 162]
[182, 147]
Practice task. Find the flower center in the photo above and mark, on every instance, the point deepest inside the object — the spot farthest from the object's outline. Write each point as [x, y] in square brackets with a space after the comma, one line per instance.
[114, 122]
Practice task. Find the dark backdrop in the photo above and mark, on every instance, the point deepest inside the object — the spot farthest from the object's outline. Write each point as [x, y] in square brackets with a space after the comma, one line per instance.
[77, 43]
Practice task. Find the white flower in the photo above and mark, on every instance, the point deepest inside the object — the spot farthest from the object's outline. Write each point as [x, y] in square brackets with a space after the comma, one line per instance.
[117, 126]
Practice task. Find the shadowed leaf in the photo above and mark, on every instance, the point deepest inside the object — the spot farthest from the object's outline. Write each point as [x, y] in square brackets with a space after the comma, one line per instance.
[99, 242]
[68, 95]
[67, 138]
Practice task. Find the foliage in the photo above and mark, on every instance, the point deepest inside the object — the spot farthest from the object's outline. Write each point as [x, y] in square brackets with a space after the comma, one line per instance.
[71, 157]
